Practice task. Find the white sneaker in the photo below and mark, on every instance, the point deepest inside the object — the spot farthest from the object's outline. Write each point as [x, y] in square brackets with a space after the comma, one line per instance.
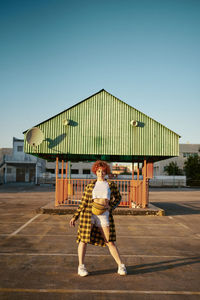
[122, 270]
[82, 271]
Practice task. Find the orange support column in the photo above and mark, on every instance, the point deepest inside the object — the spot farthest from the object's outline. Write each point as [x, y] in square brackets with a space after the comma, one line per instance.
[138, 173]
[137, 190]
[62, 183]
[144, 188]
[62, 171]
[132, 170]
[132, 194]
[57, 189]
[149, 176]
[66, 184]
[150, 170]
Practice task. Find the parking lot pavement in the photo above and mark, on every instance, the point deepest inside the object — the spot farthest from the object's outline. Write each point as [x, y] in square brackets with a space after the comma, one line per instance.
[38, 252]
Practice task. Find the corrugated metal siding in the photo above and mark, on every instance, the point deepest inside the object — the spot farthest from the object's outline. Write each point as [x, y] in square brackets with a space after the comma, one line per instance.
[102, 126]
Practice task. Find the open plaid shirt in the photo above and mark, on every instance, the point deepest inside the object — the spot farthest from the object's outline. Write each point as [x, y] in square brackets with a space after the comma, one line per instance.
[85, 212]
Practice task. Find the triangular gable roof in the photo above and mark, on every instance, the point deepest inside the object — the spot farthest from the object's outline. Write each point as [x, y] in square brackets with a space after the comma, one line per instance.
[101, 125]
[102, 90]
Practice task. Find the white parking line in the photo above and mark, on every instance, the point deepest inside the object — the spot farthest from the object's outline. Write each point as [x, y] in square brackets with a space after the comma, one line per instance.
[88, 254]
[142, 224]
[23, 226]
[183, 225]
[119, 236]
[179, 223]
[90, 291]
[117, 225]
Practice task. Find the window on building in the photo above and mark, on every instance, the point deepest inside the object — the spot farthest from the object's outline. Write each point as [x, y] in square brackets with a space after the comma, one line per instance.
[86, 171]
[188, 154]
[52, 171]
[185, 154]
[9, 170]
[74, 171]
[19, 148]
[60, 171]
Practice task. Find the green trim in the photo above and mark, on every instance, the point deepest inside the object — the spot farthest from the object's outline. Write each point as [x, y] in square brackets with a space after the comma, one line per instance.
[94, 157]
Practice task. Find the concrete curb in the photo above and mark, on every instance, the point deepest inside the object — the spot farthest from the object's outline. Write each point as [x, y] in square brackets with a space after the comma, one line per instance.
[152, 210]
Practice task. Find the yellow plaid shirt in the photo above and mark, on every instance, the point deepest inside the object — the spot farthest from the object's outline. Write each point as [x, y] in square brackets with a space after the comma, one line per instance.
[85, 212]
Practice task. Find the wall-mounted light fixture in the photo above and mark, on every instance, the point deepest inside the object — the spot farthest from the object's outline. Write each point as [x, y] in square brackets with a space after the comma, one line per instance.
[66, 122]
[134, 123]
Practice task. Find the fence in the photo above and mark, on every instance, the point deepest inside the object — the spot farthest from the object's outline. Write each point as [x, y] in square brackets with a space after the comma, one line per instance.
[134, 192]
[70, 191]
[168, 181]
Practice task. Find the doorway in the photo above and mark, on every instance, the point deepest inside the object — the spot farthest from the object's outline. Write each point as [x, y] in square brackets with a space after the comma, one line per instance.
[20, 174]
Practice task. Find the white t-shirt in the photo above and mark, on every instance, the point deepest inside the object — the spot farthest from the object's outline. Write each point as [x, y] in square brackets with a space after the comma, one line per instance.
[101, 190]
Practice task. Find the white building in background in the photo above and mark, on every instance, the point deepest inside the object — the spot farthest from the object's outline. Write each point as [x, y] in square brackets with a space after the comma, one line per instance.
[83, 169]
[160, 176]
[17, 166]
[76, 169]
[185, 150]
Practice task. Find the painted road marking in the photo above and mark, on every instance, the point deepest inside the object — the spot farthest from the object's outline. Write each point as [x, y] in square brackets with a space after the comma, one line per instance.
[142, 224]
[92, 255]
[46, 235]
[181, 224]
[196, 236]
[23, 226]
[74, 291]
[60, 222]
[185, 226]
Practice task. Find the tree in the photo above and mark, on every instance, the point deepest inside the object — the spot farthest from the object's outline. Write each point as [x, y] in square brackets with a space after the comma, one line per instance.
[173, 169]
[192, 170]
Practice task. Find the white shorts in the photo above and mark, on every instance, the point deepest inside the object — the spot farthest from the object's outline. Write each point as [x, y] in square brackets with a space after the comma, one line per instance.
[101, 220]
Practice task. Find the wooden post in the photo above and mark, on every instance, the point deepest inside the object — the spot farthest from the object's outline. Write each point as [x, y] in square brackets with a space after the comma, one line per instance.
[132, 187]
[69, 170]
[144, 189]
[66, 183]
[138, 173]
[62, 169]
[57, 190]
[70, 192]
[149, 170]
[132, 170]
[62, 184]
[66, 169]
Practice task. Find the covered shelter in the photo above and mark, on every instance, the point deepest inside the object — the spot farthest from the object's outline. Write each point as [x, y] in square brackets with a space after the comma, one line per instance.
[103, 127]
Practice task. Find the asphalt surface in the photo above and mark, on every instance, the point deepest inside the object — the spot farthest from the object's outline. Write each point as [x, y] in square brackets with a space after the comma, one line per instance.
[38, 252]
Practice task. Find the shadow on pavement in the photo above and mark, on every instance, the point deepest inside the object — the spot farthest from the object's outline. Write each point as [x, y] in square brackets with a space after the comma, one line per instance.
[18, 187]
[162, 265]
[151, 267]
[103, 272]
[176, 209]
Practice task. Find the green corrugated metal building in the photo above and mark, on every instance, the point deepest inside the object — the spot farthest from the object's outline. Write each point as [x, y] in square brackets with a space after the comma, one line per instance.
[104, 127]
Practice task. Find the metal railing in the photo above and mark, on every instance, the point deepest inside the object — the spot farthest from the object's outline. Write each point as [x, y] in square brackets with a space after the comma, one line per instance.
[69, 192]
[134, 192]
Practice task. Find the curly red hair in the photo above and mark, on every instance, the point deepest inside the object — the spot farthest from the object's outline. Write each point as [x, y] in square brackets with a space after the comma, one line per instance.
[101, 164]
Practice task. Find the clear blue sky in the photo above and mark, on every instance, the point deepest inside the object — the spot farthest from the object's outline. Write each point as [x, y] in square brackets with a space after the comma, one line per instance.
[55, 53]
